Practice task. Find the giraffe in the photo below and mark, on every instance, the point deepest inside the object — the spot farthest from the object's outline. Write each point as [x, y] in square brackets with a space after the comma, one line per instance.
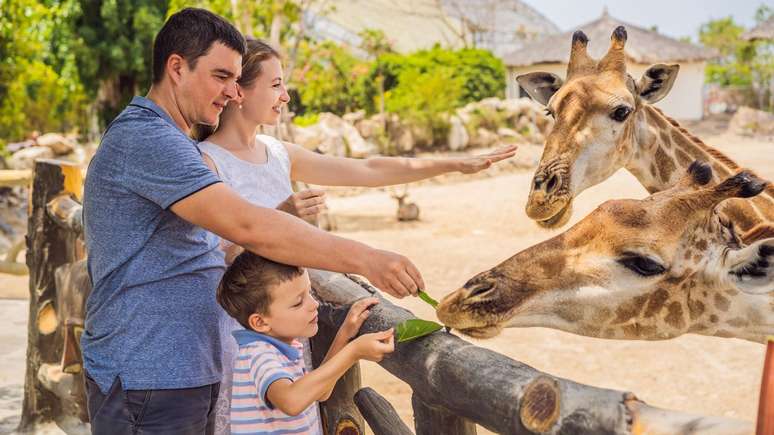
[664, 266]
[604, 122]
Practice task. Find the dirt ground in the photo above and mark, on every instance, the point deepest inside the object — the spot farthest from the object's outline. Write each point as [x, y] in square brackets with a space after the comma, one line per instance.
[469, 225]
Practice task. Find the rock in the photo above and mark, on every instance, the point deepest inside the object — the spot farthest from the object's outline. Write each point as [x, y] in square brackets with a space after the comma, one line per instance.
[308, 137]
[25, 159]
[369, 128]
[748, 121]
[354, 117]
[343, 139]
[18, 146]
[484, 138]
[458, 136]
[59, 144]
[400, 135]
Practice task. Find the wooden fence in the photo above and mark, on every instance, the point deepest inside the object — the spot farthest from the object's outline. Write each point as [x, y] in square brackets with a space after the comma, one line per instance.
[455, 384]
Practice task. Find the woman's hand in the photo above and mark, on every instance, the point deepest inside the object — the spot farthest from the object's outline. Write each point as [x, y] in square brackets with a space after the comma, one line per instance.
[471, 165]
[357, 314]
[306, 204]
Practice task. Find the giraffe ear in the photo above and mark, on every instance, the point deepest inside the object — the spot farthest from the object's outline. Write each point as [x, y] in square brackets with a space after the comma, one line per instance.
[540, 85]
[657, 82]
[751, 269]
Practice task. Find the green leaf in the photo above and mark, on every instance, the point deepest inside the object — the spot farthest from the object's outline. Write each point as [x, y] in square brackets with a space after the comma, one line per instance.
[415, 328]
[426, 297]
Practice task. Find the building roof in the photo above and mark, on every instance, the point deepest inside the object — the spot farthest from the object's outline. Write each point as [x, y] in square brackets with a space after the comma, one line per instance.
[642, 46]
[764, 30]
[419, 24]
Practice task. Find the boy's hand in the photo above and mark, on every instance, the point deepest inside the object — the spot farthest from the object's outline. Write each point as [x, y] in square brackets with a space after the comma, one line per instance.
[357, 314]
[373, 347]
[471, 165]
[306, 204]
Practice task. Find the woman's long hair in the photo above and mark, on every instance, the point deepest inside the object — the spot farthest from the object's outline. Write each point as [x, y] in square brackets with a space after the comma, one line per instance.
[257, 52]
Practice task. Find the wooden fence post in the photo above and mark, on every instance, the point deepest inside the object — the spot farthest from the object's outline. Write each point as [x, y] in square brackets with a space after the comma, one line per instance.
[49, 392]
[379, 414]
[433, 420]
[339, 413]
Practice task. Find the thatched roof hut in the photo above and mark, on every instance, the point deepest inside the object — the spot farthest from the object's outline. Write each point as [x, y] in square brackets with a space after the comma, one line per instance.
[764, 30]
[643, 48]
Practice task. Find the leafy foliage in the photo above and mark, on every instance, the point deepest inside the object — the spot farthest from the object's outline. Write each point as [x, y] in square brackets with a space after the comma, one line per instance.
[741, 62]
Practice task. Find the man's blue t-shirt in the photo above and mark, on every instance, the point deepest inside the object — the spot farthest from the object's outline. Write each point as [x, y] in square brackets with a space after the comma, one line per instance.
[151, 319]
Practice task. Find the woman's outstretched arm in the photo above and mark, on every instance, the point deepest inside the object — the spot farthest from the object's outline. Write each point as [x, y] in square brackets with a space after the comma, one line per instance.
[314, 168]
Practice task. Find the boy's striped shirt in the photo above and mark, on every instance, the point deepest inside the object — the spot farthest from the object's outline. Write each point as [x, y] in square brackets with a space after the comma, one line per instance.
[261, 361]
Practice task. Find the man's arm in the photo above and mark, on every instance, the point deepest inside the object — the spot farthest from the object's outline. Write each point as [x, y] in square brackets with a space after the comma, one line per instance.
[287, 239]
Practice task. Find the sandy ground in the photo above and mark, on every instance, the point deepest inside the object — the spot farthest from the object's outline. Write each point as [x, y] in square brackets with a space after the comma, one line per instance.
[468, 226]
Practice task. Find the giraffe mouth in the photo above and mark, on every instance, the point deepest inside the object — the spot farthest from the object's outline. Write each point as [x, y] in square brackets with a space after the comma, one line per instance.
[482, 332]
[560, 218]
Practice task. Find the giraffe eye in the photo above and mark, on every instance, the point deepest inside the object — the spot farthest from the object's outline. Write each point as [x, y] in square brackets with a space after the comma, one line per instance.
[641, 265]
[620, 113]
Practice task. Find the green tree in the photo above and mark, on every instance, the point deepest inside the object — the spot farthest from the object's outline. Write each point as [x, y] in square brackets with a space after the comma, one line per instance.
[37, 89]
[328, 78]
[112, 43]
[740, 62]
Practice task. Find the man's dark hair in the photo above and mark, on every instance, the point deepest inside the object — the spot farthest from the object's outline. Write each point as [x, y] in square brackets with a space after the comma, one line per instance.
[190, 33]
[246, 286]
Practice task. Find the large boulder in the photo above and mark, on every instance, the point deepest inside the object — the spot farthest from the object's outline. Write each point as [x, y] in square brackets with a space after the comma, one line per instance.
[458, 135]
[59, 144]
[25, 158]
[334, 136]
[748, 121]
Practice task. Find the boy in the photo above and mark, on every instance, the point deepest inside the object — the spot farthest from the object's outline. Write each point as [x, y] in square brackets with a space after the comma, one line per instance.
[272, 391]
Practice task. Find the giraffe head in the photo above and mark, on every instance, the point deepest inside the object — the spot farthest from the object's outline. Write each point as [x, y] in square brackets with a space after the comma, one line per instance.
[595, 111]
[636, 269]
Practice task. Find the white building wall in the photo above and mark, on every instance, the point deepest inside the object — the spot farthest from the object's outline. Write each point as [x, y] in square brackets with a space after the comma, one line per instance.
[684, 101]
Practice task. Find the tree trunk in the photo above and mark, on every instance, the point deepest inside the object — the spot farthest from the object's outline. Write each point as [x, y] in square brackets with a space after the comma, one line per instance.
[51, 393]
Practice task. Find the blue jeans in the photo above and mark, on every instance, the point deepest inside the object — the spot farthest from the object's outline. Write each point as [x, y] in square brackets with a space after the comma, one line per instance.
[187, 411]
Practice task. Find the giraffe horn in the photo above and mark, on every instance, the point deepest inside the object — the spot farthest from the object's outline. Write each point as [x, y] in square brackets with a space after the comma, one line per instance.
[744, 184]
[615, 59]
[580, 61]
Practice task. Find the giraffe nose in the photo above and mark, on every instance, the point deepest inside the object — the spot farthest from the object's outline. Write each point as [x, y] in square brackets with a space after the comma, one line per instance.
[480, 288]
[550, 185]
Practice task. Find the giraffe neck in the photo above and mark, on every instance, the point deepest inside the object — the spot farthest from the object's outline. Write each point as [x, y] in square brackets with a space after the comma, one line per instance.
[662, 152]
[749, 317]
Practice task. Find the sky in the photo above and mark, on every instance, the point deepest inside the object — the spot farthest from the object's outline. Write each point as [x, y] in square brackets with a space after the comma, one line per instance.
[674, 18]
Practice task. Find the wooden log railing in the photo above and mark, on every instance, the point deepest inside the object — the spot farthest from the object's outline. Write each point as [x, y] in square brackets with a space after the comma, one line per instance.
[455, 377]
[455, 384]
[13, 178]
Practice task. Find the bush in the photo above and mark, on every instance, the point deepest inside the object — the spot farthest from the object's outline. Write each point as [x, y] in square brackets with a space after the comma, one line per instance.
[426, 86]
[328, 78]
[306, 120]
[39, 99]
[478, 73]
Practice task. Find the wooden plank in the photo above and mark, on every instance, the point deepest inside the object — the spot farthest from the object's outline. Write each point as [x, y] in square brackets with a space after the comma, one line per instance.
[12, 177]
[499, 393]
[380, 415]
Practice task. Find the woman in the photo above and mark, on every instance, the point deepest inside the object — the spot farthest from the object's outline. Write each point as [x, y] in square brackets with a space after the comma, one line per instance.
[261, 168]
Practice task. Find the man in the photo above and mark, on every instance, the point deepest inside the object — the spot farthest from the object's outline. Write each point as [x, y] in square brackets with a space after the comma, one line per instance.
[151, 343]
